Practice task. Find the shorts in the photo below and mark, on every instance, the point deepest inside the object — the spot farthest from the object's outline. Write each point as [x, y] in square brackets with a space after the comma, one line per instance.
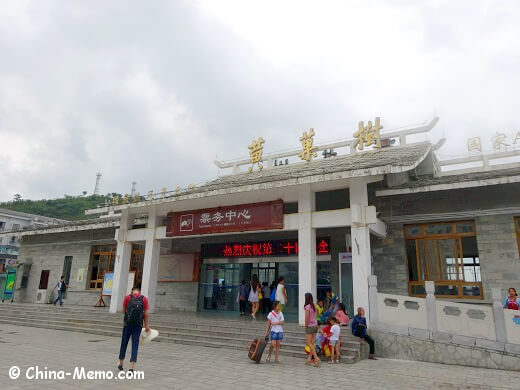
[333, 343]
[276, 336]
[311, 330]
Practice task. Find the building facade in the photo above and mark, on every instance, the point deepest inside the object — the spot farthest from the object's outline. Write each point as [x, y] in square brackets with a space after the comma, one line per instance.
[390, 212]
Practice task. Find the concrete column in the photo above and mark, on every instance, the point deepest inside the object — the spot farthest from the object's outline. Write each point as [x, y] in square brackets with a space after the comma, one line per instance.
[151, 259]
[361, 255]
[431, 308]
[372, 297]
[498, 313]
[122, 264]
[306, 249]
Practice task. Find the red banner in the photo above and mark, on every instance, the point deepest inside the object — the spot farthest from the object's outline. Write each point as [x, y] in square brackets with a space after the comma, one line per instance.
[239, 218]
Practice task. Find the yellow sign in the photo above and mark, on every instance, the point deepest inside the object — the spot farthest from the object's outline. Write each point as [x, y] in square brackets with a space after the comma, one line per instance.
[474, 144]
[307, 141]
[255, 153]
[368, 135]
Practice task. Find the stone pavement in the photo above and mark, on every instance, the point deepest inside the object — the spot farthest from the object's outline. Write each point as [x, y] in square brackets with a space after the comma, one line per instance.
[173, 366]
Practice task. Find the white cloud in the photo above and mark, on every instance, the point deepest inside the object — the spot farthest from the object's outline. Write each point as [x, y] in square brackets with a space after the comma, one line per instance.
[153, 91]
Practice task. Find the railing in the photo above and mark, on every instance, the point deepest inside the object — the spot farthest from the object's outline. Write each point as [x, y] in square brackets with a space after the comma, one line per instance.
[431, 318]
[483, 163]
[402, 311]
[465, 319]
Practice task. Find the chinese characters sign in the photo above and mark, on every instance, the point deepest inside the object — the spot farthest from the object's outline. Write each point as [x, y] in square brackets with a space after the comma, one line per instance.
[309, 151]
[239, 218]
[368, 135]
[255, 153]
[268, 248]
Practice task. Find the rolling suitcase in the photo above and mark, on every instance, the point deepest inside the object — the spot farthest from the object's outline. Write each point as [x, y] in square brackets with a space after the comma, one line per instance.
[255, 349]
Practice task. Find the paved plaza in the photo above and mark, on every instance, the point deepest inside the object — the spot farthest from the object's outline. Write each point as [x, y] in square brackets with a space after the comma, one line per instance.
[176, 366]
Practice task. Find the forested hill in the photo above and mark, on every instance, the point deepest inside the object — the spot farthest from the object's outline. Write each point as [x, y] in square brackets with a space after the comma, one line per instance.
[71, 208]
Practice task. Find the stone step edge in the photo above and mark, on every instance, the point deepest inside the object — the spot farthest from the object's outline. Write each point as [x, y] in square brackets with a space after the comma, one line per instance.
[160, 317]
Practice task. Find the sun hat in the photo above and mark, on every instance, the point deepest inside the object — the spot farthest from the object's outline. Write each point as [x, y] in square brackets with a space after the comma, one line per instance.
[147, 337]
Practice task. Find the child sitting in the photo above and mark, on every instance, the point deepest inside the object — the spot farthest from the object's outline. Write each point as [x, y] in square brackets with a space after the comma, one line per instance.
[341, 315]
[334, 340]
[274, 322]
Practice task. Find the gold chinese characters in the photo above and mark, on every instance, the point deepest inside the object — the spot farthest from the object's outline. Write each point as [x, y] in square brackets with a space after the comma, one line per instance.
[255, 153]
[309, 151]
[368, 135]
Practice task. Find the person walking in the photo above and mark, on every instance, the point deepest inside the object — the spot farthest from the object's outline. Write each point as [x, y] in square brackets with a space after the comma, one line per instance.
[135, 307]
[243, 294]
[512, 302]
[311, 329]
[359, 329]
[253, 296]
[62, 287]
[281, 293]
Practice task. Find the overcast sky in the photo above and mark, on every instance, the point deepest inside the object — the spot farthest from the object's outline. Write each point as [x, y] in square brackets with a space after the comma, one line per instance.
[152, 91]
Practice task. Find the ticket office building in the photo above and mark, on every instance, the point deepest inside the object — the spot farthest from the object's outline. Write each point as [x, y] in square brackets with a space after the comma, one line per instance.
[460, 231]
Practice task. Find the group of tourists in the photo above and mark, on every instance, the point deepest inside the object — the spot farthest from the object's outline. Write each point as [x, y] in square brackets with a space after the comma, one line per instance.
[332, 314]
[261, 296]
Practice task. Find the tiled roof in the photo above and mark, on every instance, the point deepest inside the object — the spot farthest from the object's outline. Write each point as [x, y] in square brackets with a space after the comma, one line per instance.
[376, 162]
[427, 181]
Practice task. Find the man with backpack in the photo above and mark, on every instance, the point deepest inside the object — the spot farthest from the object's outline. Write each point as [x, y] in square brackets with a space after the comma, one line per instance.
[62, 287]
[135, 307]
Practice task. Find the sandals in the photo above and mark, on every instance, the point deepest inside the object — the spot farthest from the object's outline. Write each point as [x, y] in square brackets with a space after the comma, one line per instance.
[268, 360]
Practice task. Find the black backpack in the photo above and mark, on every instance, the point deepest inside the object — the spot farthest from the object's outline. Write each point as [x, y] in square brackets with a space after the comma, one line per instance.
[63, 287]
[134, 313]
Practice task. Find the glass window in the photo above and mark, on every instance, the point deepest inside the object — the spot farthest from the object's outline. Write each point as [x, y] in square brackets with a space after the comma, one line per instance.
[413, 231]
[446, 255]
[439, 228]
[466, 227]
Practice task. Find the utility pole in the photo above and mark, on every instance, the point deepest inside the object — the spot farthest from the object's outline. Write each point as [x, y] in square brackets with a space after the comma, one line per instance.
[98, 181]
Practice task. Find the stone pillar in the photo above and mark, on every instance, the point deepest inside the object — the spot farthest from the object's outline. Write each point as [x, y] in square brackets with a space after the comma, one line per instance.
[122, 263]
[431, 308]
[372, 298]
[360, 235]
[151, 259]
[306, 248]
[498, 314]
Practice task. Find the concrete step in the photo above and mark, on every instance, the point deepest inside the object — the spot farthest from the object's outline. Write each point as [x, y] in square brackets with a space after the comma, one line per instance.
[172, 339]
[215, 330]
[291, 343]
